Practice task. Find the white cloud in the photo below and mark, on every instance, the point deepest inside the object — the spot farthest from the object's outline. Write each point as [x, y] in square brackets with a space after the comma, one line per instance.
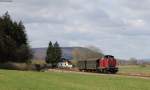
[136, 23]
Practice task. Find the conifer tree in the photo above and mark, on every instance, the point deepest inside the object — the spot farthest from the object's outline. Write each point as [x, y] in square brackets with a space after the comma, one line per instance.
[49, 53]
[53, 54]
[13, 41]
[57, 51]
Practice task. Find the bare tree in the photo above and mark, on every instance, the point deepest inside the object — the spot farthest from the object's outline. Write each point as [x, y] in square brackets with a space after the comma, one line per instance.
[94, 48]
[76, 54]
[133, 61]
[86, 53]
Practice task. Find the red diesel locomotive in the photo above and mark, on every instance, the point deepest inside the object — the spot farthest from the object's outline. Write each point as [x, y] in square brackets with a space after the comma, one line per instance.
[106, 64]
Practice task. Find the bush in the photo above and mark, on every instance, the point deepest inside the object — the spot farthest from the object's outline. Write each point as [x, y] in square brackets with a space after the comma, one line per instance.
[142, 65]
[17, 66]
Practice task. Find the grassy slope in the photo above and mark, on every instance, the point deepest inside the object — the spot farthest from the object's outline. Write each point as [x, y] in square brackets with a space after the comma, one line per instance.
[19, 80]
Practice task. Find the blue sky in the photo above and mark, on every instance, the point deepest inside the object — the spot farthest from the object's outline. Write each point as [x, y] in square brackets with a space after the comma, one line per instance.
[117, 27]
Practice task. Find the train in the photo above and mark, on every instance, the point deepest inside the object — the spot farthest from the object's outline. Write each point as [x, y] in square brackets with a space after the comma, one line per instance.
[106, 64]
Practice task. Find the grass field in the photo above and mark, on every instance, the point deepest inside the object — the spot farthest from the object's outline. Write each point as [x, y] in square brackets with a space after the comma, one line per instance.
[27, 80]
[135, 69]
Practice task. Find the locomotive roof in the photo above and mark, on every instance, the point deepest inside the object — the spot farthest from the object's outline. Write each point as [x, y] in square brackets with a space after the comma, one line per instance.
[108, 56]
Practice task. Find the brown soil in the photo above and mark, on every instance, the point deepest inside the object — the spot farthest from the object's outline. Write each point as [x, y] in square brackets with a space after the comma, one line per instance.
[135, 75]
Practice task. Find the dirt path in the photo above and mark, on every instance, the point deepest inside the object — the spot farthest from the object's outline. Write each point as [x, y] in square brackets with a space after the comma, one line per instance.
[141, 75]
[97, 74]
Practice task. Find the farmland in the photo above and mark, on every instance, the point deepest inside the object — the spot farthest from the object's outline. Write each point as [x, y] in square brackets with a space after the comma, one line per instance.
[28, 80]
[135, 69]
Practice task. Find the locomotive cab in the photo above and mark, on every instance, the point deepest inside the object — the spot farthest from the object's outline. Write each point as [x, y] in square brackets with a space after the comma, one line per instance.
[108, 64]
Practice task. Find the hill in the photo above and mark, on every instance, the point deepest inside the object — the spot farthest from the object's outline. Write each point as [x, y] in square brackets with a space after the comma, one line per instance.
[40, 53]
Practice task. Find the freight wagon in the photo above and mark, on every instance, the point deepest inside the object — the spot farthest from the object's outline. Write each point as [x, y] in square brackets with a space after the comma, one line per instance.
[106, 64]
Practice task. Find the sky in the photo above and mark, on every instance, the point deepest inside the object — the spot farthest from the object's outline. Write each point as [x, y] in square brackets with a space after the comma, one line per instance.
[117, 27]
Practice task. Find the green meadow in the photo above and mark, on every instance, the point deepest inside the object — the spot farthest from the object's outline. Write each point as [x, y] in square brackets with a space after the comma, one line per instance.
[28, 80]
[135, 69]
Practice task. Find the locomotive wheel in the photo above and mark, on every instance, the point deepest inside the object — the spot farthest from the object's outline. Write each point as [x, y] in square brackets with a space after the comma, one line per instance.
[98, 71]
[104, 71]
[113, 72]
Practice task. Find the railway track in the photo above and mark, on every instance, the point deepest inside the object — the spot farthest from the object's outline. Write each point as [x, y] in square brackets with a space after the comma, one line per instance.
[136, 75]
